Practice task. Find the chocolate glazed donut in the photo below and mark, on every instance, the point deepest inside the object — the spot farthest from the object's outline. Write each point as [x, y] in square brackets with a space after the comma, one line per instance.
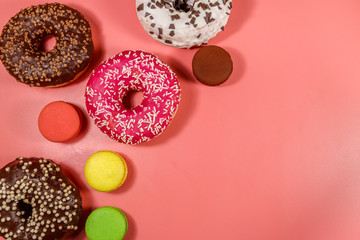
[20, 45]
[37, 201]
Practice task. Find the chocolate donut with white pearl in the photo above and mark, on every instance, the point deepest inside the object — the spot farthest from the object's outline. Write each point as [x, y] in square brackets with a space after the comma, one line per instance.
[183, 23]
[37, 201]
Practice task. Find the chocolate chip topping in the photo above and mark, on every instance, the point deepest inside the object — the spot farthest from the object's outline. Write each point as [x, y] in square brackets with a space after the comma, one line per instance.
[140, 7]
[175, 17]
[20, 45]
[212, 65]
[208, 18]
[184, 23]
[37, 201]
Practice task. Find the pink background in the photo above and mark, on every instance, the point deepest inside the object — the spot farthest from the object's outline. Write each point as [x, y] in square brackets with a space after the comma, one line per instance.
[271, 154]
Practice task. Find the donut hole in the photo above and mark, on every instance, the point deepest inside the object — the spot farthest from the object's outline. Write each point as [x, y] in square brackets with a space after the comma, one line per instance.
[132, 99]
[47, 43]
[25, 208]
[183, 5]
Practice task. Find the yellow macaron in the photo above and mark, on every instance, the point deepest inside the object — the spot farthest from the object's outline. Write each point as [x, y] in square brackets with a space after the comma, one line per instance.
[105, 171]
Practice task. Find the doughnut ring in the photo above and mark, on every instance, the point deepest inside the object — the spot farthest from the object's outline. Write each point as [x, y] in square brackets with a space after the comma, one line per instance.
[113, 79]
[183, 23]
[37, 201]
[20, 45]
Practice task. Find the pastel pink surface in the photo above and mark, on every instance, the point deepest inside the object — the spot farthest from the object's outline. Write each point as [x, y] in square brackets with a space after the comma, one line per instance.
[270, 154]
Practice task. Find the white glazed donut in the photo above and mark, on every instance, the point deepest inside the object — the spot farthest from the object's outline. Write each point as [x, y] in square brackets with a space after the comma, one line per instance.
[183, 23]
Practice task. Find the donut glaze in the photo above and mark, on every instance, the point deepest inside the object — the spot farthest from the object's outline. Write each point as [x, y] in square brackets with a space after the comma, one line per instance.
[183, 23]
[20, 45]
[132, 70]
[37, 201]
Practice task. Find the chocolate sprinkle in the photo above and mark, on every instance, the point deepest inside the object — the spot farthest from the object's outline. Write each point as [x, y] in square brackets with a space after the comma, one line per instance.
[140, 7]
[195, 21]
[175, 17]
[208, 18]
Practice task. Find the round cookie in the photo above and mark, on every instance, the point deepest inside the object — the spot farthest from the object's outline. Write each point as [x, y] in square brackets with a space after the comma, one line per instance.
[212, 65]
[60, 121]
[105, 171]
[108, 223]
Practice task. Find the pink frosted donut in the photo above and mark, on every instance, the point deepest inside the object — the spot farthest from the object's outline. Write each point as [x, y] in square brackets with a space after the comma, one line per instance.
[127, 71]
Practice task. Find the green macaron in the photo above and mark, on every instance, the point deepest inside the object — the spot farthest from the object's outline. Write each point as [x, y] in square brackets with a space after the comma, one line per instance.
[106, 223]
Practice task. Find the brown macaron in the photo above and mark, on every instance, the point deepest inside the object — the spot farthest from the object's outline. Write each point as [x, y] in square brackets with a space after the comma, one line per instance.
[212, 65]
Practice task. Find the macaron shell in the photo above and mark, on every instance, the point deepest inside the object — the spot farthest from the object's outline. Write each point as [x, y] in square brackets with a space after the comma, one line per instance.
[106, 223]
[212, 65]
[105, 171]
[60, 121]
